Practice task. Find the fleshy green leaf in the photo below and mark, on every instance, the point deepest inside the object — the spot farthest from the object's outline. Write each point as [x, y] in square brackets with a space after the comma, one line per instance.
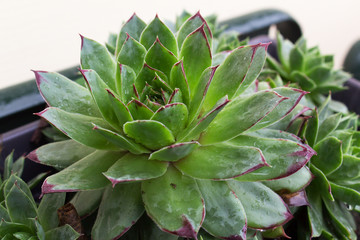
[19, 205]
[96, 57]
[191, 25]
[122, 141]
[303, 80]
[125, 83]
[120, 208]
[283, 109]
[47, 210]
[134, 27]
[328, 125]
[174, 152]
[264, 208]
[284, 156]
[312, 128]
[139, 111]
[60, 154]
[321, 183]
[240, 115]
[121, 110]
[99, 91]
[159, 57]
[221, 161]
[61, 233]
[174, 116]
[345, 194]
[296, 59]
[80, 176]
[196, 54]
[8, 163]
[157, 29]
[11, 227]
[178, 80]
[152, 134]
[146, 75]
[78, 127]
[4, 214]
[283, 50]
[293, 183]
[15, 180]
[132, 54]
[329, 157]
[236, 73]
[194, 130]
[225, 215]
[174, 202]
[135, 168]
[59, 91]
[86, 202]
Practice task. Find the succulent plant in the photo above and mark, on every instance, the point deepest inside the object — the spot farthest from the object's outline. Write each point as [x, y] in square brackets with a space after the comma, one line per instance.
[21, 218]
[159, 129]
[308, 68]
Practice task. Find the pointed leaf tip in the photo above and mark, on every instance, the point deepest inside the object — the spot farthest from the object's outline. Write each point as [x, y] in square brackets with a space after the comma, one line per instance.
[33, 157]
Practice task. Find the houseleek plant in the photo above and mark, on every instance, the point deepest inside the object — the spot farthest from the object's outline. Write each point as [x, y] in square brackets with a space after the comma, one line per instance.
[160, 129]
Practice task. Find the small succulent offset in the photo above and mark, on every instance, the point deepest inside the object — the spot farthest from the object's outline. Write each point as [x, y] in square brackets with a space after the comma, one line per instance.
[21, 218]
[308, 68]
[159, 129]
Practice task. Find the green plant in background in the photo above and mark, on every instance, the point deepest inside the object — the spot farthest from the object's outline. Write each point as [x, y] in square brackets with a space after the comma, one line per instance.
[158, 128]
[21, 218]
[309, 69]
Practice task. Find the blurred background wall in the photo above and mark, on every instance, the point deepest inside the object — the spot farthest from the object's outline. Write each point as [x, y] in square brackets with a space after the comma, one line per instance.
[44, 34]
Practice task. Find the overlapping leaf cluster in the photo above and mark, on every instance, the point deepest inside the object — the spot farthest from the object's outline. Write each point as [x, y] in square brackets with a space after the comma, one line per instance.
[21, 218]
[308, 68]
[160, 129]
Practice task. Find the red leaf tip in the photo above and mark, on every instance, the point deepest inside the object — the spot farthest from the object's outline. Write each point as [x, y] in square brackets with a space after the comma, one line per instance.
[33, 157]
[186, 231]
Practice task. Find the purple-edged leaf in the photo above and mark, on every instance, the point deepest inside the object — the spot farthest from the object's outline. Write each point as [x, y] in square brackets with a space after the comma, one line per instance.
[120, 208]
[85, 174]
[236, 73]
[345, 194]
[240, 115]
[60, 154]
[99, 91]
[59, 91]
[122, 112]
[19, 205]
[47, 211]
[278, 232]
[154, 106]
[134, 27]
[78, 127]
[284, 156]
[125, 81]
[160, 84]
[121, 141]
[330, 156]
[221, 161]
[283, 109]
[350, 169]
[159, 57]
[146, 75]
[152, 134]
[174, 152]
[139, 111]
[178, 80]
[200, 92]
[264, 208]
[87, 202]
[225, 215]
[63, 232]
[135, 168]
[132, 54]
[293, 183]
[174, 116]
[174, 202]
[321, 183]
[96, 57]
[193, 131]
[196, 54]
[157, 29]
[176, 97]
[191, 25]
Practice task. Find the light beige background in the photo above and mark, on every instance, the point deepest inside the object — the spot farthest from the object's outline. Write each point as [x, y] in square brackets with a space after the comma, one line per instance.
[43, 34]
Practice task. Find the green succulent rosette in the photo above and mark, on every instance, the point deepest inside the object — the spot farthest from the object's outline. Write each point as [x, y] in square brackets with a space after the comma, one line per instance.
[159, 129]
[21, 218]
[309, 69]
